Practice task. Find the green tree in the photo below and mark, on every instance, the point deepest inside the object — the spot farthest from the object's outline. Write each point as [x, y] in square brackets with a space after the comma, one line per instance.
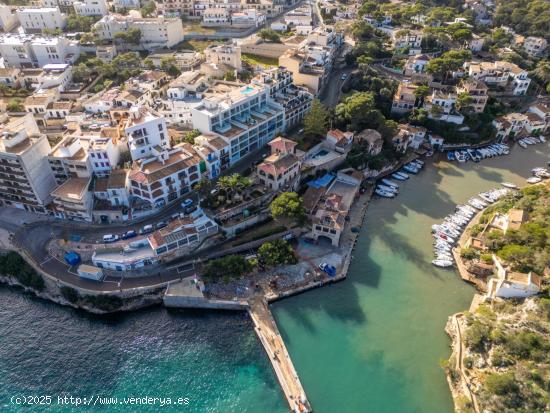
[190, 136]
[277, 252]
[226, 268]
[170, 66]
[464, 102]
[269, 35]
[76, 23]
[315, 121]
[149, 9]
[501, 384]
[15, 105]
[230, 76]
[148, 63]
[422, 91]
[288, 208]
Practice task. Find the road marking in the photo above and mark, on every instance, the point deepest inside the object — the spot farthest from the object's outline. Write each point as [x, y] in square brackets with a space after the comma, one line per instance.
[47, 260]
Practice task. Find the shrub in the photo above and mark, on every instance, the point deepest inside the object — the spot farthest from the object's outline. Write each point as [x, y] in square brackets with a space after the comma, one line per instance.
[69, 294]
[486, 258]
[501, 384]
[14, 265]
[476, 335]
[468, 253]
[227, 268]
[523, 344]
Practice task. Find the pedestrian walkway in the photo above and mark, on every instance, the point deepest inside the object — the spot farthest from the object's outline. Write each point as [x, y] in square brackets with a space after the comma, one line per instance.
[271, 339]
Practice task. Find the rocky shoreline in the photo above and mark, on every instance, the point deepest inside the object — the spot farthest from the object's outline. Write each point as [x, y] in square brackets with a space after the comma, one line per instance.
[52, 293]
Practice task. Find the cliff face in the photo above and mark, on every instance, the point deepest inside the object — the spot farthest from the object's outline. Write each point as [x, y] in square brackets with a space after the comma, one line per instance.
[501, 357]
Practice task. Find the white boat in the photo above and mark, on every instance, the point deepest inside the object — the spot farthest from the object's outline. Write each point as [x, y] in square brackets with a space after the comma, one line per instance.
[460, 156]
[534, 180]
[543, 174]
[442, 263]
[522, 144]
[384, 194]
[398, 177]
[542, 138]
[402, 174]
[411, 169]
[387, 188]
[390, 183]
[509, 185]
[486, 198]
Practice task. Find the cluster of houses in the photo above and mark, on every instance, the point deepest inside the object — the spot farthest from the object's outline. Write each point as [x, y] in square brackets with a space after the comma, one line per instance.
[505, 282]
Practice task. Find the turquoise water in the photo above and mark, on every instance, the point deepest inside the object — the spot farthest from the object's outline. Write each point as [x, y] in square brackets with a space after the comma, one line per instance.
[369, 344]
[373, 343]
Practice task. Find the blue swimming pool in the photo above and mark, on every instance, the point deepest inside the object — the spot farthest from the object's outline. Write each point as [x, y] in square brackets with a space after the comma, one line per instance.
[247, 90]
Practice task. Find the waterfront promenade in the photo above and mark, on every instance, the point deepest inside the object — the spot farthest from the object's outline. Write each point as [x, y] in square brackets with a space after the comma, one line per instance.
[273, 343]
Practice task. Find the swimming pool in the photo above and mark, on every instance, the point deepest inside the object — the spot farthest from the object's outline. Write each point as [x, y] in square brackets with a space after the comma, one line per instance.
[320, 154]
[247, 90]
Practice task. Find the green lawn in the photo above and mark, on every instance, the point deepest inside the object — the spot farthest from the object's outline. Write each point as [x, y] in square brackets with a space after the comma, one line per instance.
[255, 60]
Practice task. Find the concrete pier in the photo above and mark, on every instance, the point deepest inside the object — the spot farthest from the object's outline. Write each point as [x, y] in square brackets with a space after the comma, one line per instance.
[271, 339]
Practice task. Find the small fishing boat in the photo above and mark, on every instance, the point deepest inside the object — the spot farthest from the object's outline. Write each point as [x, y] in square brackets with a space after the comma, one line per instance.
[411, 169]
[542, 138]
[387, 188]
[534, 180]
[442, 263]
[522, 144]
[384, 194]
[390, 183]
[398, 177]
[509, 185]
[403, 174]
[451, 156]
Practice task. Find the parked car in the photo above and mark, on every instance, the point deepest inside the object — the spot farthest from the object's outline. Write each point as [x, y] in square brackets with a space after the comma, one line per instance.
[186, 203]
[107, 239]
[175, 216]
[146, 229]
[288, 237]
[190, 209]
[329, 269]
[129, 234]
[161, 224]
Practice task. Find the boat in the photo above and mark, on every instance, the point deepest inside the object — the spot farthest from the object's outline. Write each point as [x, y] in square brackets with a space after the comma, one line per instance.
[387, 188]
[411, 169]
[472, 155]
[534, 180]
[543, 174]
[390, 183]
[403, 174]
[451, 156]
[509, 185]
[398, 177]
[383, 193]
[522, 144]
[419, 162]
[542, 138]
[460, 157]
[486, 198]
[442, 263]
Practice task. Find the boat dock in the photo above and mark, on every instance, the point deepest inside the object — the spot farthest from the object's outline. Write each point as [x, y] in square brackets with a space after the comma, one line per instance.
[273, 343]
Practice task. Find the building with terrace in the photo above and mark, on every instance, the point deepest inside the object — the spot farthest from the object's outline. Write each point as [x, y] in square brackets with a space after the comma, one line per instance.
[244, 115]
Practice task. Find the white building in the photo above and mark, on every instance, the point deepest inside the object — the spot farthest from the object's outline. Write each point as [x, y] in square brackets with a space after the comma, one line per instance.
[166, 175]
[535, 46]
[145, 131]
[245, 115]
[91, 8]
[25, 51]
[156, 32]
[25, 176]
[500, 73]
[508, 284]
[53, 75]
[8, 19]
[120, 5]
[34, 20]
[411, 39]
[227, 54]
[72, 200]
[247, 18]
[216, 17]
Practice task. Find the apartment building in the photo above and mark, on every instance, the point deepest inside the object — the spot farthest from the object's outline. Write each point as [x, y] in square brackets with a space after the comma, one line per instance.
[145, 131]
[36, 19]
[217, 151]
[72, 200]
[216, 16]
[296, 100]
[55, 75]
[69, 159]
[247, 18]
[91, 8]
[244, 115]
[280, 170]
[441, 105]
[11, 77]
[227, 54]
[26, 51]
[156, 32]
[175, 7]
[477, 91]
[510, 125]
[8, 19]
[411, 39]
[535, 46]
[268, 7]
[166, 175]
[500, 74]
[25, 176]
